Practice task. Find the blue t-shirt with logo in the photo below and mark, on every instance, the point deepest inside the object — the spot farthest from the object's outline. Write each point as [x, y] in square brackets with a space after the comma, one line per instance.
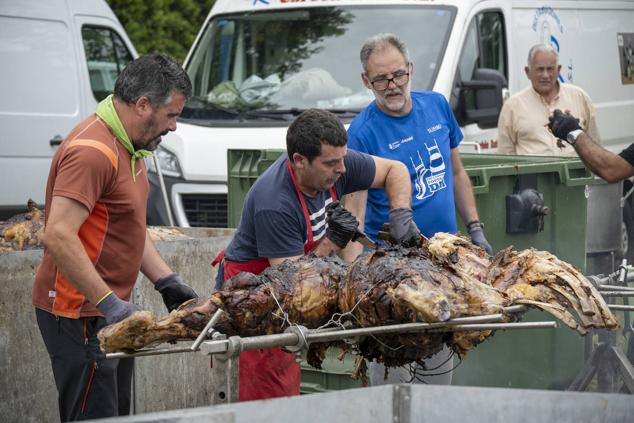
[422, 140]
[273, 225]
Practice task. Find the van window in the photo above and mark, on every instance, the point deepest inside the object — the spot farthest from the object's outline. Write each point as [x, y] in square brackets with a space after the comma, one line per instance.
[290, 60]
[484, 48]
[485, 45]
[106, 56]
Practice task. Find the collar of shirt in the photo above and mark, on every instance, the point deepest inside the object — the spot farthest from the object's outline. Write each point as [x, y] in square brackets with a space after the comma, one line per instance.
[541, 98]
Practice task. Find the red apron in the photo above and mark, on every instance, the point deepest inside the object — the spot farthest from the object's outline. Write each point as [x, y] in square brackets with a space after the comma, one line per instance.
[269, 373]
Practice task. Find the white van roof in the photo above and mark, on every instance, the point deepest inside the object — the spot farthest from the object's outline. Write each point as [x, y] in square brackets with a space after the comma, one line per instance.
[228, 6]
[56, 9]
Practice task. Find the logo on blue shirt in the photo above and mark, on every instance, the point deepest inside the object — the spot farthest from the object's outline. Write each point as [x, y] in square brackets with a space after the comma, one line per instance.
[429, 180]
[434, 128]
[396, 144]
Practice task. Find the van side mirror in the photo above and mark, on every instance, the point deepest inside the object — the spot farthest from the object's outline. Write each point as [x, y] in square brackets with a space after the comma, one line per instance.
[480, 100]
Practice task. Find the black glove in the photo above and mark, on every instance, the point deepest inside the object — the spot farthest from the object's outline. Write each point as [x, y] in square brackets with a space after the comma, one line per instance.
[174, 291]
[476, 232]
[342, 225]
[561, 124]
[403, 230]
[115, 309]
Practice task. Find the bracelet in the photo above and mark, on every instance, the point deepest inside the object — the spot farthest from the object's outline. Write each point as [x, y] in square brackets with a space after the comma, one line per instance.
[104, 297]
[471, 226]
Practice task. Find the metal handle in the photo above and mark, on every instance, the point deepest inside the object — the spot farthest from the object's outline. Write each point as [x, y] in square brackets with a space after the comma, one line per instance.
[212, 322]
[56, 140]
[159, 173]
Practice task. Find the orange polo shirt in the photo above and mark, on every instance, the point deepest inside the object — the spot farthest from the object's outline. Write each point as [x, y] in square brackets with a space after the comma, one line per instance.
[93, 168]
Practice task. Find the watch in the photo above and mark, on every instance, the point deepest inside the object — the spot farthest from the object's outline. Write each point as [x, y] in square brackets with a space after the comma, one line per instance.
[572, 136]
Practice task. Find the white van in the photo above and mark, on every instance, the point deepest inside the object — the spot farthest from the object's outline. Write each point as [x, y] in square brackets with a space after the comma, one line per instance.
[59, 58]
[256, 64]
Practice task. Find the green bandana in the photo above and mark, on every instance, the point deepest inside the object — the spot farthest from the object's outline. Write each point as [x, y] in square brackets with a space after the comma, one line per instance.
[106, 111]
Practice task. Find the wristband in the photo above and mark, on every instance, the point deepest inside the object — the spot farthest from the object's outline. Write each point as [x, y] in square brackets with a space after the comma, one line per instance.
[474, 225]
[104, 297]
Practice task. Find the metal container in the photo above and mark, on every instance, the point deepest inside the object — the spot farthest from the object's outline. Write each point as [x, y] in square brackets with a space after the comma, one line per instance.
[409, 403]
[603, 233]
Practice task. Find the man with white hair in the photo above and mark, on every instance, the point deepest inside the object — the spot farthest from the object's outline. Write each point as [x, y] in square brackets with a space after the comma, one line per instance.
[524, 116]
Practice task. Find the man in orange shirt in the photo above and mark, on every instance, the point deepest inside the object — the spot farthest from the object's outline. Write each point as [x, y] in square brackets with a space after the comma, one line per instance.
[95, 236]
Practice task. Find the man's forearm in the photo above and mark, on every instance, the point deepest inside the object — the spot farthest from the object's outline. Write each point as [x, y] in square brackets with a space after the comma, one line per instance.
[356, 203]
[463, 196]
[398, 186]
[602, 162]
[152, 264]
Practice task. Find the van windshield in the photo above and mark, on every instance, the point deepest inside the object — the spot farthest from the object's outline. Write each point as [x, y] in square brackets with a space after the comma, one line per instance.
[267, 65]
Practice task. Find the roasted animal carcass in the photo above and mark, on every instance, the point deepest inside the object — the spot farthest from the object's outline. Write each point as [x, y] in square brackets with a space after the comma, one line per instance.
[23, 231]
[446, 277]
[539, 279]
[302, 291]
[432, 284]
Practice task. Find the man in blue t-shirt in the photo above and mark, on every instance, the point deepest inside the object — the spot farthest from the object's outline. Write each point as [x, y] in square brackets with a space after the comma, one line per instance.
[286, 214]
[419, 130]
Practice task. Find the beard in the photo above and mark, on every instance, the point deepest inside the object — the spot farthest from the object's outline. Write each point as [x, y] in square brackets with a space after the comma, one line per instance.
[151, 137]
[394, 104]
[153, 144]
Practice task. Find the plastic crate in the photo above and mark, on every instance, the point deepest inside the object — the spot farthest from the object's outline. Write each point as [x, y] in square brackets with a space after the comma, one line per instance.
[546, 359]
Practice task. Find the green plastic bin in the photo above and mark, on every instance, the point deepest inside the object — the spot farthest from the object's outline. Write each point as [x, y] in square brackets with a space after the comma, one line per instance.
[544, 359]
[335, 374]
[562, 181]
[244, 167]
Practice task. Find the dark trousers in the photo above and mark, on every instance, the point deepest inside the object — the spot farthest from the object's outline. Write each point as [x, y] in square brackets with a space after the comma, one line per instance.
[88, 385]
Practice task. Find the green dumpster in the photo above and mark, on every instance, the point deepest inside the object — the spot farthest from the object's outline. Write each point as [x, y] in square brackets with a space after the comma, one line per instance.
[543, 359]
[243, 168]
[334, 375]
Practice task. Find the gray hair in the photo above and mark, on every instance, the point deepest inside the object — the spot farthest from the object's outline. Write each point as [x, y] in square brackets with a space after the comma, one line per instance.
[155, 76]
[544, 48]
[378, 43]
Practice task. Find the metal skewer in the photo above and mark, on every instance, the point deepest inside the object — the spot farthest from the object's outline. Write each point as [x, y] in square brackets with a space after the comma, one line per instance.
[462, 324]
[621, 307]
[617, 293]
[615, 288]
[212, 322]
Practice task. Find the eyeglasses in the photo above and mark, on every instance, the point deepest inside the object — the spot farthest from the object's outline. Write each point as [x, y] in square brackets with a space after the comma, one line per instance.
[399, 79]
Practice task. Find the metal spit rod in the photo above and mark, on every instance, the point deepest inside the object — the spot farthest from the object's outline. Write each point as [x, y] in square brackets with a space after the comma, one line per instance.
[603, 288]
[621, 307]
[433, 327]
[287, 339]
[403, 328]
[290, 338]
[617, 293]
